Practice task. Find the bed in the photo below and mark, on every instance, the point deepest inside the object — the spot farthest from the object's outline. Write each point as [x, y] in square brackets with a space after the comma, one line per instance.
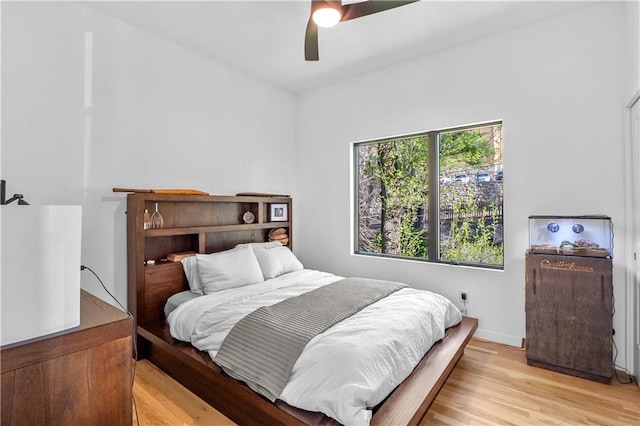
[194, 368]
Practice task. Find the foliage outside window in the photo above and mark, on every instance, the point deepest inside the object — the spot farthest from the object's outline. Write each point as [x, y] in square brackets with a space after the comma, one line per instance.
[435, 196]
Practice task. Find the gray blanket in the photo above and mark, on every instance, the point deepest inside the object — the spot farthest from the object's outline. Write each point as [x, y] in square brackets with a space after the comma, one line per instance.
[262, 347]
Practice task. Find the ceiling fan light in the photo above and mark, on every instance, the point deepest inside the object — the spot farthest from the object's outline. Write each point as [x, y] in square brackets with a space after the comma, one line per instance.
[326, 16]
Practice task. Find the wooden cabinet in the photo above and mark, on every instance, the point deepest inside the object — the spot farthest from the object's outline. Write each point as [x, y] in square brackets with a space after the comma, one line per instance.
[199, 223]
[569, 315]
[79, 376]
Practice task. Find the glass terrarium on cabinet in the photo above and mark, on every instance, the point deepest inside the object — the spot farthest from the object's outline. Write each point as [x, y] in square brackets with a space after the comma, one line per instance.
[571, 235]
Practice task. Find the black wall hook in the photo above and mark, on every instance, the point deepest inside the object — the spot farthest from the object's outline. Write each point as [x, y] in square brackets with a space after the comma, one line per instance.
[3, 195]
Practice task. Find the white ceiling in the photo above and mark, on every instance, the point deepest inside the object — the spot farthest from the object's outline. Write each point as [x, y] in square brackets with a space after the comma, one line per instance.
[265, 38]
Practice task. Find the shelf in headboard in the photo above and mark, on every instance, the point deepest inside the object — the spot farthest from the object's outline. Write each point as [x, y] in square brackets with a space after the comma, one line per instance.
[164, 232]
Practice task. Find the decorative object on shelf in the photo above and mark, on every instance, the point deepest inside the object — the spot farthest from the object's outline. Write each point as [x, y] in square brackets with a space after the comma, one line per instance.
[553, 227]
[248, 217]
[162, 191]
[566, 243]
[279, 234]
[579, 243]
[261, 194]
[147, 219]
[177, 257]
[278, 212]
[156, 219]
[583, 242]
[577, 228]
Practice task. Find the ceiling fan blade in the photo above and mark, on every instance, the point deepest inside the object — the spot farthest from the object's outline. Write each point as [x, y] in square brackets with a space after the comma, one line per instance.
[311, 41]
[357, 10]
[349, 11]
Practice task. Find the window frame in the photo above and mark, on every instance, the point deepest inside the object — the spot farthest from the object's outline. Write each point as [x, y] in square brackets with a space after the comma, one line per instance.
[433, 201]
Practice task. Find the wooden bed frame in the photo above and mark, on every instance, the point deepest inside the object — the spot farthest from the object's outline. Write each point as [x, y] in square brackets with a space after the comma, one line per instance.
[212, 223]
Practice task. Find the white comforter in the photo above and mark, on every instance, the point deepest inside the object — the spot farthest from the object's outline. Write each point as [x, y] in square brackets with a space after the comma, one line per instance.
[347, 369]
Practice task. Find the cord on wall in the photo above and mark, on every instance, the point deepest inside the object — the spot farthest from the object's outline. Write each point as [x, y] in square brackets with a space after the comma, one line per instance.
[464, 297]
[135, 335]
[617, 367]
[615, 348]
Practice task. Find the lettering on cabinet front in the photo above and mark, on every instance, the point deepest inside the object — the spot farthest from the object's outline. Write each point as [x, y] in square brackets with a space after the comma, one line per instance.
[567, 266]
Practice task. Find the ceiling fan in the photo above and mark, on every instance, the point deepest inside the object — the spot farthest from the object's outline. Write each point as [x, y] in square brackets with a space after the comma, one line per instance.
[327, 13]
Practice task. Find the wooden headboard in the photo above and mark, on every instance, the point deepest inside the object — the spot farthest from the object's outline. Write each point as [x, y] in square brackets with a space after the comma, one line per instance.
[199, 223]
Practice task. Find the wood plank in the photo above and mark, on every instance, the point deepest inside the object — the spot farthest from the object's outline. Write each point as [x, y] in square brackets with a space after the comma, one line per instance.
[113, 374]
[162, 280]
[195, 370]
[95, 314]
[79, 376]
[162, 400]
[491, 384]
[569, 314]
[67, 389]
[411, 400]
[23, 399]
[198, 373]
[187, 230]
[209, 198]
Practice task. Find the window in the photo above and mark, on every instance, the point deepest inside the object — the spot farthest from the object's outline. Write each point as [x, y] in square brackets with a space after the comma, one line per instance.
[435, 196]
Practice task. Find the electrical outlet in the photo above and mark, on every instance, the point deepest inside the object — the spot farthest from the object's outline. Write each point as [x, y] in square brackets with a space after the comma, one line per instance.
[464, 296]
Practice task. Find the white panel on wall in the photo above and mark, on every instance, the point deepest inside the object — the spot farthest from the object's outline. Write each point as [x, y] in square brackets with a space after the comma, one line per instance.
[40, 270]
[632, 31]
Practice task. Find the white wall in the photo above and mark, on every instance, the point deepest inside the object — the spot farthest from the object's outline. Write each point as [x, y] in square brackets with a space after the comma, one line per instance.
[161, 116]
[632, 31]
[42, 110]
[632, 46]
[558, 86]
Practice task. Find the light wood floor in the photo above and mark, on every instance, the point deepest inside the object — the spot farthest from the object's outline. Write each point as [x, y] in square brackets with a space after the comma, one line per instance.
[491, 385]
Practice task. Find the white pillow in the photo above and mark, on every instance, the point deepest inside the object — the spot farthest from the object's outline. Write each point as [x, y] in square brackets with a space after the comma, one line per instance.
[267, 244]
[190, 266]
[228, 269]
[276, 260]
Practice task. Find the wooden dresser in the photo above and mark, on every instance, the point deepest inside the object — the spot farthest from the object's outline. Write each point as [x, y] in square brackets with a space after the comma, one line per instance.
[569, 315]
[79, 376]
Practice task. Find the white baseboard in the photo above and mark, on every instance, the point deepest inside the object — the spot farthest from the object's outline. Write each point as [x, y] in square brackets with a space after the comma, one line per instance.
[499, 337]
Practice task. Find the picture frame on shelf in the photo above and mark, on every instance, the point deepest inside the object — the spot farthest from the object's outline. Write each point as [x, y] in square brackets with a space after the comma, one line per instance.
[278, 212]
